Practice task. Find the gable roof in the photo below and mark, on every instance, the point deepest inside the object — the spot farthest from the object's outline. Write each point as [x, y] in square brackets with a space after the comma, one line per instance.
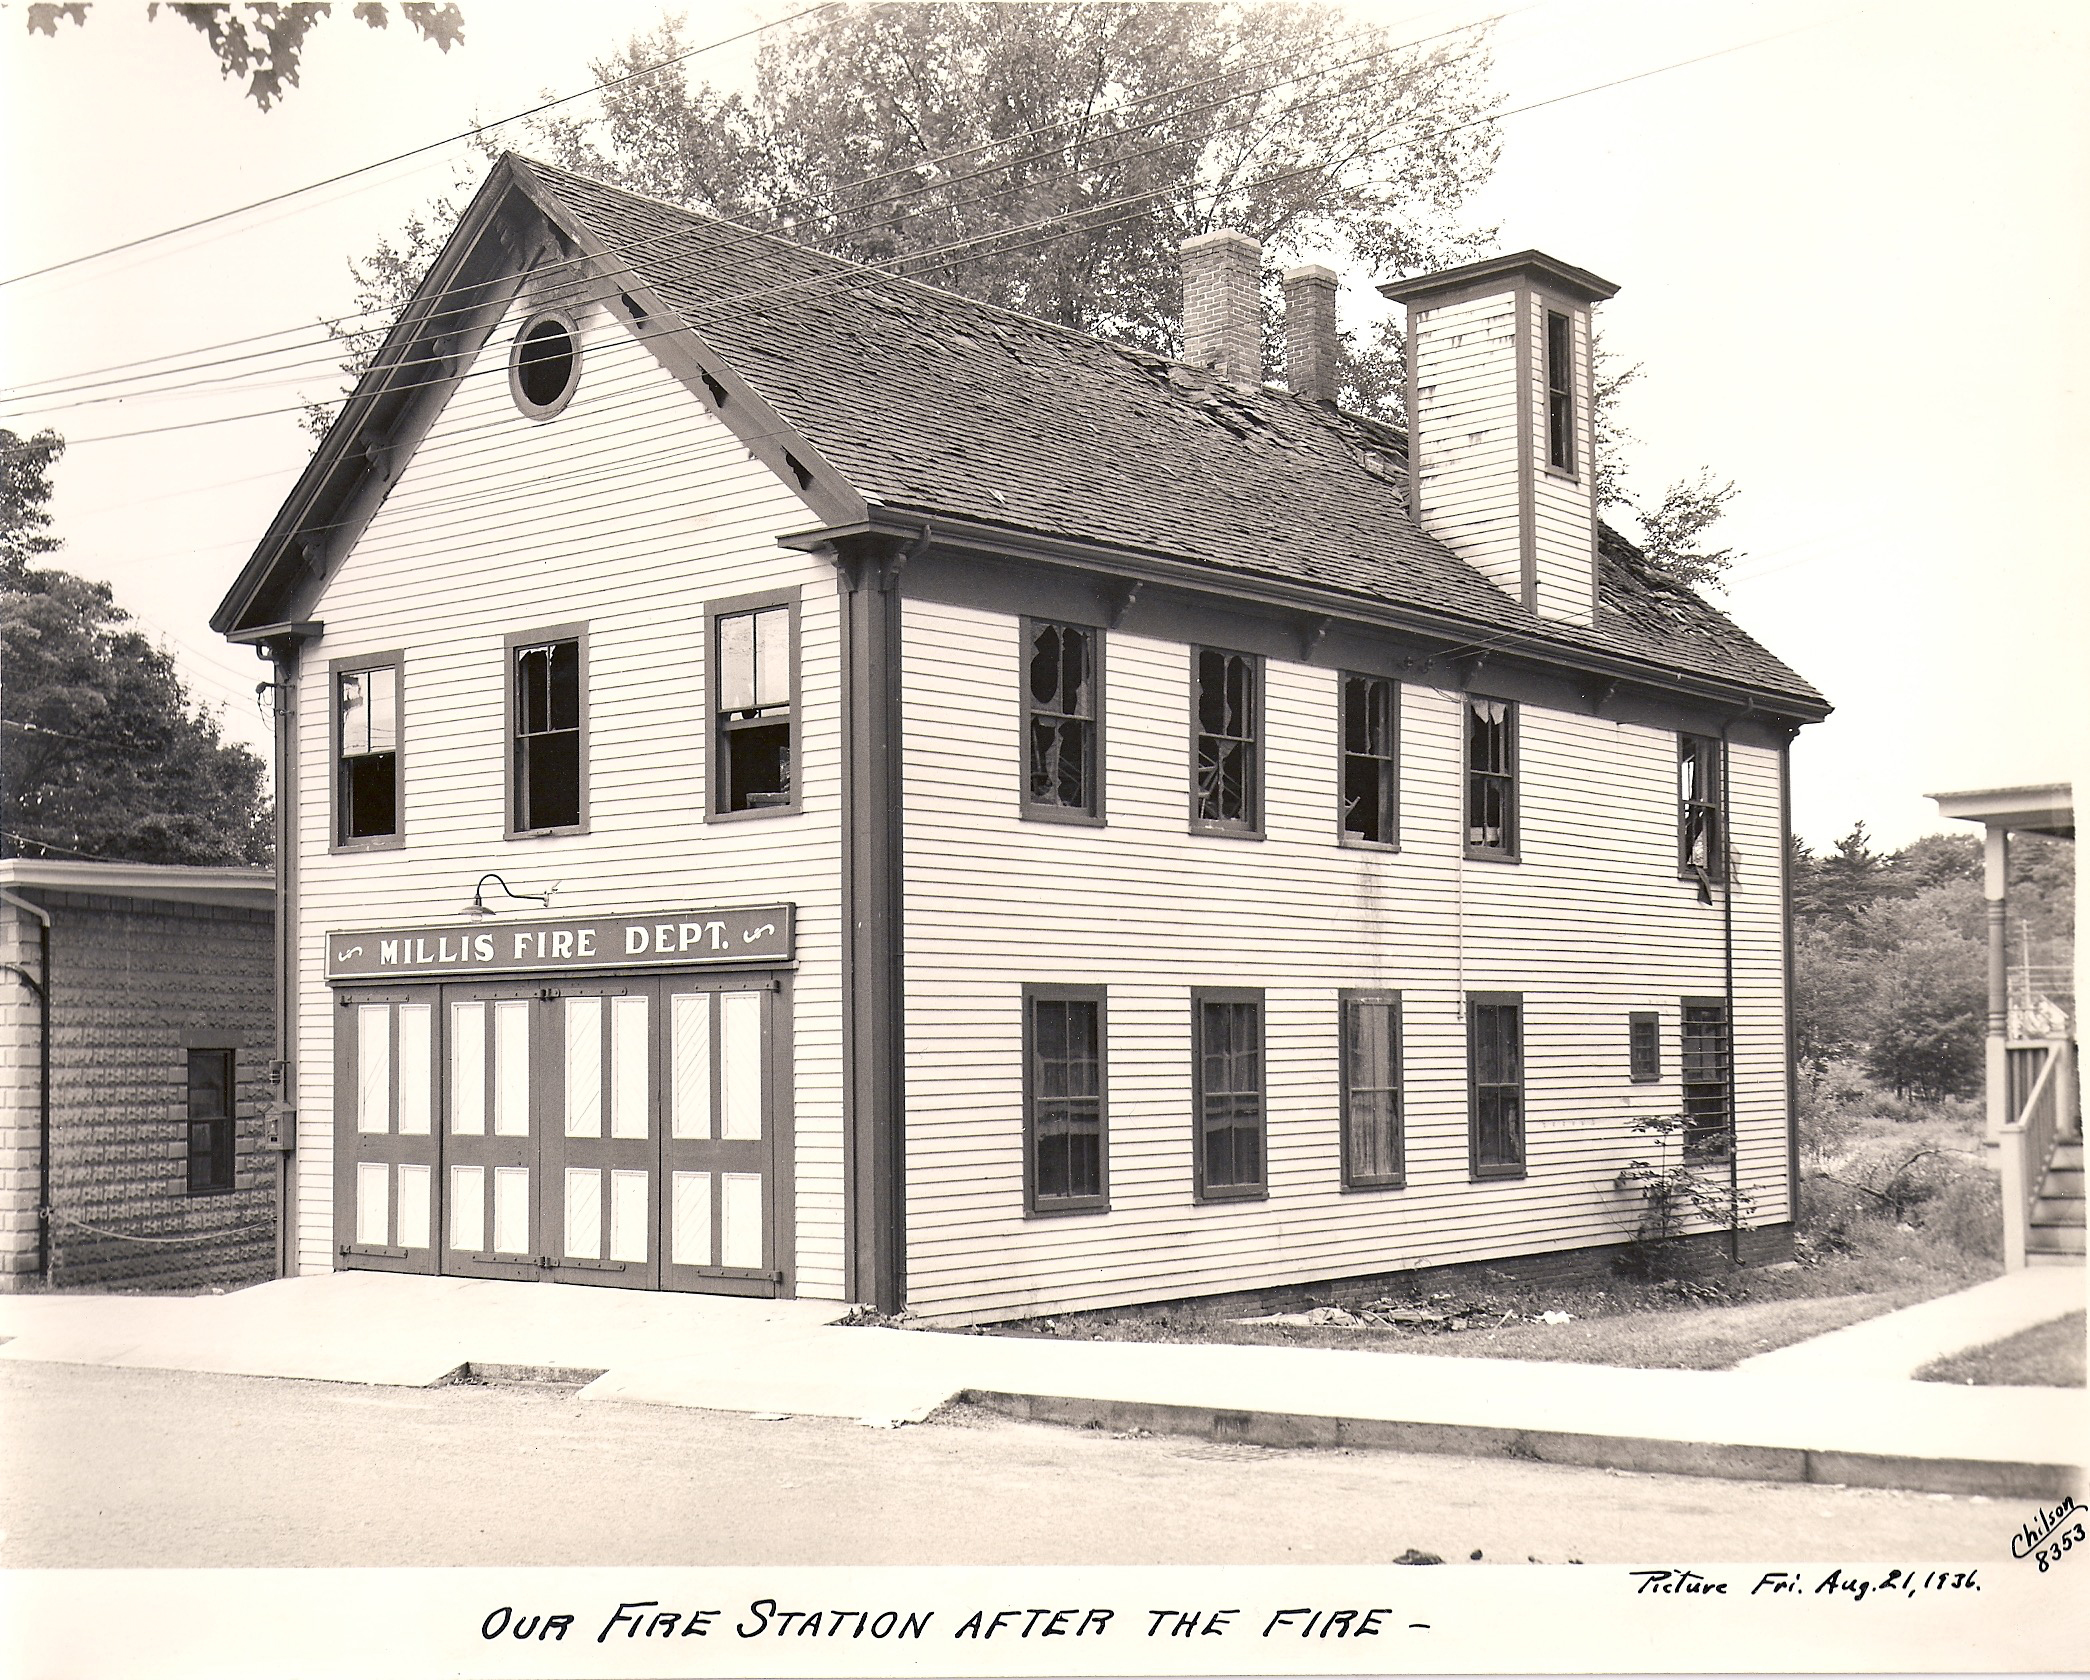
[930, 403]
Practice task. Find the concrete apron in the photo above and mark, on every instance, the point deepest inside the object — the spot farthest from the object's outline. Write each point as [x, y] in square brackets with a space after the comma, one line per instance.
[788, 1357]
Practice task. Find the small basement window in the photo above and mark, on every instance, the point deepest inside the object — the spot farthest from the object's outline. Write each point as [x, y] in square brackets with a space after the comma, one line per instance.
[545, 366]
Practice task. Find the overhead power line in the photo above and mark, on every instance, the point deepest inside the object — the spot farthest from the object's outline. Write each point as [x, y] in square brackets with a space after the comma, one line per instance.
[41, 392]
[416, 151]
[1053, 227]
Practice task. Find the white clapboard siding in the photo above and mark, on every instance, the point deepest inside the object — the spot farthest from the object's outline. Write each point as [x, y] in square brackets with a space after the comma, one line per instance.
[1563, 528]
[1592, 925]
[629, 511]
[1464, 356]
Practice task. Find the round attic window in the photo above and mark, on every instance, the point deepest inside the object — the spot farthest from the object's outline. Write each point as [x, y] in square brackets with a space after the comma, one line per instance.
[545, 366]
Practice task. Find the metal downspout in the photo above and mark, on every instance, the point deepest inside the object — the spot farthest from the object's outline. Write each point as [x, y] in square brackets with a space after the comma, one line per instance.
[1734, 1111]
[42, 987]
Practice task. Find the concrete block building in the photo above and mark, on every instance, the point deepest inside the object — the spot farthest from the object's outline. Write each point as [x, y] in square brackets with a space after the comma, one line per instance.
[137, 1034]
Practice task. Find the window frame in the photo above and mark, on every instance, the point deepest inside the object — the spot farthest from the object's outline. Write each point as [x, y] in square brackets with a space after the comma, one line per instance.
[223, 1153]
[538, 413]
[1249, 827]
[734, 606]
[510, 718]
[1691, 1146]
[1644, 1070]
[1710, 758]
[1562, 453]
[1050, 1207]
[1347, 1001]
[1476, 1168]
[1390, 774]
[1206, 1191]
[1090, 814]
[393, 659]
[1511, 849]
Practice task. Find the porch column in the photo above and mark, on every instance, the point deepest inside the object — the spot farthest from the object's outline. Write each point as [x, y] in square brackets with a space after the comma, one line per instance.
[1995, 879]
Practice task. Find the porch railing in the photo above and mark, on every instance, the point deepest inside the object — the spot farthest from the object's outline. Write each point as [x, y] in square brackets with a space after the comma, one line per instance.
[2042, 1109]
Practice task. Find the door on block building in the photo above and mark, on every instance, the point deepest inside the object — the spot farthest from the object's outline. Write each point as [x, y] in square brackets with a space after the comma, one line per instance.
[600, 1158]
[493, 1071]
[385, 1145]
[724, 1199]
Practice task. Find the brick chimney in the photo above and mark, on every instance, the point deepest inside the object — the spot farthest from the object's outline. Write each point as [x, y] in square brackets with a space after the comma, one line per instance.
[1309, 332]
[1499, 419]
[1222, 305]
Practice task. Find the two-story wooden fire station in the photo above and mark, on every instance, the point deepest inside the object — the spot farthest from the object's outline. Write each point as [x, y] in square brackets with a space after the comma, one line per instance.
[797, 782]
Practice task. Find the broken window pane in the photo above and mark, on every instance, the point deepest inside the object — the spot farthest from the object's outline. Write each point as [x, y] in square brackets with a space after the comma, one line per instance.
[1227, 740]
[548, 735]
[1059, 703]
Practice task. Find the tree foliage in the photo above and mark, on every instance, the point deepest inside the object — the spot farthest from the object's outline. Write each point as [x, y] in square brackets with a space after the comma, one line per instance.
[1050, 157]
[1671, 531]
[266, 45]
[1890, 956]
[103, 752]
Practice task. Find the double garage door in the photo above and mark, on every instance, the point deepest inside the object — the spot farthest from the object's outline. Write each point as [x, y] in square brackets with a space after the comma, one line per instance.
[623, 1132]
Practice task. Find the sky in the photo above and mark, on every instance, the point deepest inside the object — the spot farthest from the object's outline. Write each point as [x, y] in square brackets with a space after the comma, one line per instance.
[1852, 244]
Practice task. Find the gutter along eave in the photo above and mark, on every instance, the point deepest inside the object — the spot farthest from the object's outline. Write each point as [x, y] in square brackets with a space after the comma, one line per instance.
[924, 529]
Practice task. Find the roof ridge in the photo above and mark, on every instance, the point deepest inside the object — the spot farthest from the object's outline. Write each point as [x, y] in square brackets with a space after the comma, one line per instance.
[869, 271]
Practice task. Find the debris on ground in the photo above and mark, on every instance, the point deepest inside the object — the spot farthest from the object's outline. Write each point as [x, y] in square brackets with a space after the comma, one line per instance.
[1411, 1555]
[1437, 1314]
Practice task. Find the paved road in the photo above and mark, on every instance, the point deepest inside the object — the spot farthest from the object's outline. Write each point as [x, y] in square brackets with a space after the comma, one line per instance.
[105, 1467]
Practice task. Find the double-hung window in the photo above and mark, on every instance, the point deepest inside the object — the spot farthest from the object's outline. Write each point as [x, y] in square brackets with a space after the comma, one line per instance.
[1701, 847]
[1708, 1067]
[1560, 392]
[211, 1109]
[1062, 721]
[1226, 742]
[1227, 1051]
[1495, 1083]
[366, 751]
[1371, 1089]
[1491, 778]
[547, 715]
[1371, 732]
[754, 660]
[1065, 1140]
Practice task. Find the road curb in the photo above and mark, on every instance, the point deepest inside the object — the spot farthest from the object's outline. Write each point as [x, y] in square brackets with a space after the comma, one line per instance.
[1652, 1454]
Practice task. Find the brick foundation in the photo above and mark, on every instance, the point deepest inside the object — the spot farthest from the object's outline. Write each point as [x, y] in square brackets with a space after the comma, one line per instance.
[1702, 1255]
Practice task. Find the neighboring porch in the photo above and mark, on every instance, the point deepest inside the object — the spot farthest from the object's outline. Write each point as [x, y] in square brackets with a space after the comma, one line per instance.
[2034, 1079]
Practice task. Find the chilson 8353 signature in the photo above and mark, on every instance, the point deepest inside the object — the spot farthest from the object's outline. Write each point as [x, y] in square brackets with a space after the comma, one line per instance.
[2051, 1535]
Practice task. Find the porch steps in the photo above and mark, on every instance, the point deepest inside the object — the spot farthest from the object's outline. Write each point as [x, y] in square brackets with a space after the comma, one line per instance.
[2054, 1232]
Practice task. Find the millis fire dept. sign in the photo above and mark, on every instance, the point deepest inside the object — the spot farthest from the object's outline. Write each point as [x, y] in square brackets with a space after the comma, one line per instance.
[661, 939]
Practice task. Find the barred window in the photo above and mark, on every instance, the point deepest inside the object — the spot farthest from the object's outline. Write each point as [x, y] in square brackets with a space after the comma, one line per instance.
[1708, 1070]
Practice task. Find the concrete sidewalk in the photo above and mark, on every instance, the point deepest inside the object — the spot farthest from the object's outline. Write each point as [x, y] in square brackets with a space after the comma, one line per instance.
[789, 1357]
[1899, 1344]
